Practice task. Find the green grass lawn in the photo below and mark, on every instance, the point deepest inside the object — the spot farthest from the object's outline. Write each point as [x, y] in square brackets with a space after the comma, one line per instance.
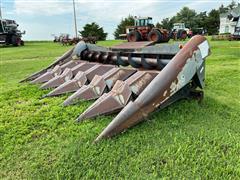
[39, 138]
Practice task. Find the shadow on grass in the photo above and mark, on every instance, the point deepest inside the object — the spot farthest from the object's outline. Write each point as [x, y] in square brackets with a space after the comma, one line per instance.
[9, 46]
[175, 116]
[44, 140]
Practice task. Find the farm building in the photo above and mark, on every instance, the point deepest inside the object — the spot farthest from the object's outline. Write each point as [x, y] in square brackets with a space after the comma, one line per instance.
[230, 20]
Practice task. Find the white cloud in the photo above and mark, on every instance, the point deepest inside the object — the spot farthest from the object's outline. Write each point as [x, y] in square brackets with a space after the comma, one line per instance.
[43, 7]
[106, 13]
[114, 9]
[206, 5]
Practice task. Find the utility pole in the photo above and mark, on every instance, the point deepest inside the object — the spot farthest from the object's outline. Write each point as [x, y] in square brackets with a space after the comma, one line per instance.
[0, 9]
[75, 19]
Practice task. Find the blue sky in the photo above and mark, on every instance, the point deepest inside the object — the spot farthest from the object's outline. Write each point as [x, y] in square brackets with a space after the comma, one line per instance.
[42, 18]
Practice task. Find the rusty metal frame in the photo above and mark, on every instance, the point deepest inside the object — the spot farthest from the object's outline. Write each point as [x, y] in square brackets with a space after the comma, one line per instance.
[152, 79]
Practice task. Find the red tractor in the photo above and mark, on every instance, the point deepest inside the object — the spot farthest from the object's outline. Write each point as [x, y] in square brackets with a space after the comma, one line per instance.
[144, 30]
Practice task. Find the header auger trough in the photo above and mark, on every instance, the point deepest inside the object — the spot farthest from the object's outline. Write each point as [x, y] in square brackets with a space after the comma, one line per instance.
[132, 83]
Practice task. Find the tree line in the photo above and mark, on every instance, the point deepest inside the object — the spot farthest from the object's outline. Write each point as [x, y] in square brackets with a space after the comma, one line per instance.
[209, 21]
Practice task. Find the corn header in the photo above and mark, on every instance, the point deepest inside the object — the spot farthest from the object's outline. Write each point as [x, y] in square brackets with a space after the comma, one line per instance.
[131, 83]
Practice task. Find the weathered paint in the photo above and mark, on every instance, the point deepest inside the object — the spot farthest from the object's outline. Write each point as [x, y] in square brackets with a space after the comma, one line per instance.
[157, 77]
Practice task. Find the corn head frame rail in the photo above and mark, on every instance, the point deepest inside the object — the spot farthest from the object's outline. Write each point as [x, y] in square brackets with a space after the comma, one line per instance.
[132, 83]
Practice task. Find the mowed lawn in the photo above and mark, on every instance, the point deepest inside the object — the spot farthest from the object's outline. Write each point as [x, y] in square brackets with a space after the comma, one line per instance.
[39, 138]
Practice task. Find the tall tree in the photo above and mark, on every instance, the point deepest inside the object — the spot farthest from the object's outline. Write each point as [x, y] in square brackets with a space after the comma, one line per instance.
[232, 5]
[167, 23]
[187, 16]
[93, 30]
[222, 9]
[209, 21]
[121, 28]
[213, 22]
[158, 25]
[201, 20]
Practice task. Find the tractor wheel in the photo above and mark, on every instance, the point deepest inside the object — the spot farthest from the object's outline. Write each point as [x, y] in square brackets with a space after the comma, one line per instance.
[133, 36]
[172, 35]
[22, 43]
[167, 39]
[182, 34]
[16, 41]
[155, 36]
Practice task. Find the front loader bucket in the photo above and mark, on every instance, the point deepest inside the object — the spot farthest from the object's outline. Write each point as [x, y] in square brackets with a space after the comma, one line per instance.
[134, 83]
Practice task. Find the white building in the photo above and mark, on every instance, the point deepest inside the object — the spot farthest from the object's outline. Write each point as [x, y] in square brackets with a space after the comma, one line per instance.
[230, 21]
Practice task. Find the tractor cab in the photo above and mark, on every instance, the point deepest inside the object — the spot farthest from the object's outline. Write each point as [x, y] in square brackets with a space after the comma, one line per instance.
[179, 26]
[9, 33]
[143, 21]
[8, 26]
[179, 31]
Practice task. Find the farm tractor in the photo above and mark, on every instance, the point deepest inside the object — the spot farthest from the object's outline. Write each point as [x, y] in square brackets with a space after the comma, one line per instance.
[65, 39]
[180, 32]
[9, 34]
[133, 84]
[144, 30]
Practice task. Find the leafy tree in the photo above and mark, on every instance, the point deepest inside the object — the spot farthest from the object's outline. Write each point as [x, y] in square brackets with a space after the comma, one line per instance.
[158, 25]
[208, 21]
[121, 28]
[93, 30]
[222, 9]
[201, 20]
[167, 23]
[232, 5]
[187, 16]
[213, 22]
